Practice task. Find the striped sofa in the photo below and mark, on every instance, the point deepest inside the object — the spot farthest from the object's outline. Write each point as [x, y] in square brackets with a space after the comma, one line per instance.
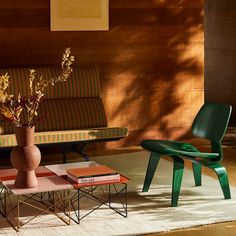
[74, 110]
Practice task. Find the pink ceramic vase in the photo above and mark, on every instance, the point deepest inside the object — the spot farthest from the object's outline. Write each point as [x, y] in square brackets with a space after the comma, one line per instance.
[25, 157]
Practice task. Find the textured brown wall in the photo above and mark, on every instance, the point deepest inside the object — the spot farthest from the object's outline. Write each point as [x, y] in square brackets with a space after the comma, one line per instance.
[150, 61]
[220, 52]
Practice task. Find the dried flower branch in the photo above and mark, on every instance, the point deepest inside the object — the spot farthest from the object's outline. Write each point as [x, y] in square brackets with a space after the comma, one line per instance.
[13, 109]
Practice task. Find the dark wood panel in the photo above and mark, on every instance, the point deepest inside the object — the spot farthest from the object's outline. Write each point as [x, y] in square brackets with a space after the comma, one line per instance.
[221, 43]
[219, 5]
[161, 36]
[156, 4]
[106, 53]
[24, 18]
[220, 53]
[166, 16]
[24, 4]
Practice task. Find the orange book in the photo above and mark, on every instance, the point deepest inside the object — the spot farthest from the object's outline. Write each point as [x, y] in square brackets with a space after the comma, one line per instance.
[92, 171]
[96, 179]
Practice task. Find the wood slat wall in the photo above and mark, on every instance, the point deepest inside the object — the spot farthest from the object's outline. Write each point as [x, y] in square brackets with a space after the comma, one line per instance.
[150, 61]
[220, 53]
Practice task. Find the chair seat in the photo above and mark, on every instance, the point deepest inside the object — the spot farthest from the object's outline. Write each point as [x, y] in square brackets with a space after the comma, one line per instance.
[165, 147]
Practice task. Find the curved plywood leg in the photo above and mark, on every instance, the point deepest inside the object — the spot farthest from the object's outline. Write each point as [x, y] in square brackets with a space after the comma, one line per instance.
[197, 172]
[152, 165]
[223, 178]
[178, 171]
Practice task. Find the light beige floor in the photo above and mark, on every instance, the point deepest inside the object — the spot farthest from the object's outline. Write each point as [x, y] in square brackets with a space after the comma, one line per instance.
[222, 229]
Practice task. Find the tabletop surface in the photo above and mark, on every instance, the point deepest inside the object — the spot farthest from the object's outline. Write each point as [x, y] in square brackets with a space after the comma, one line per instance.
[45, 184]
[10, 174]
[52, 178]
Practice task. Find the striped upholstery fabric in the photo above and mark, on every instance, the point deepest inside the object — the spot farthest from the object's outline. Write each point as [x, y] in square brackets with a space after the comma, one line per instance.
[83, 82]
[67, 114]
[72, 111]
[53, 137]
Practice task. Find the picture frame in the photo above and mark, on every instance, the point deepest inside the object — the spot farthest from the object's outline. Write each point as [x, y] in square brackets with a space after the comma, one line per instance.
[79, 15]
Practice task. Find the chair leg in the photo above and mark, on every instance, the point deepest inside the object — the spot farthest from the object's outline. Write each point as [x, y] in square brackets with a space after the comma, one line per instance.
[178, 171]
[197, 172]
[152, 165]
[223, 179]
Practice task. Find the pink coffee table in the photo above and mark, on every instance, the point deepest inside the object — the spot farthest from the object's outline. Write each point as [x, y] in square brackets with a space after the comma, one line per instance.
[10, 174]
[58, 188]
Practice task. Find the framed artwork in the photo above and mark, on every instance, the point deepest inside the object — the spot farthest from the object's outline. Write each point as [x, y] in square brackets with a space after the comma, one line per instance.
[79, 15]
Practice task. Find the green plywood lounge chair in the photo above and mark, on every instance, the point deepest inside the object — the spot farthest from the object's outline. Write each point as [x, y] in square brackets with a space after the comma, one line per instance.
[210, 123]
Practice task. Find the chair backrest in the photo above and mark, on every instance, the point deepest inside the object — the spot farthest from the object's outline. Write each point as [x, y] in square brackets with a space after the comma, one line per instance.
[211, 121]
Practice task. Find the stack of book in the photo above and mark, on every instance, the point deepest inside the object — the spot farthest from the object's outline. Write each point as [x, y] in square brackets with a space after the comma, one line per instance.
[92, 174]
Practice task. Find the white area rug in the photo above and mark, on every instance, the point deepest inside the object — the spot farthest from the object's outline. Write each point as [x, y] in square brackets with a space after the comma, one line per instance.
[147, 212]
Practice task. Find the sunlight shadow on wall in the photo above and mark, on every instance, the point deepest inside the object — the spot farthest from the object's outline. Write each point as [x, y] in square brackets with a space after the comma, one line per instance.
[160, 94]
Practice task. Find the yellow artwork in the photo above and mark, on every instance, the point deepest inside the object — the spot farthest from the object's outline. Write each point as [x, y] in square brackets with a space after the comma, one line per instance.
[71, 15]
[79, 9]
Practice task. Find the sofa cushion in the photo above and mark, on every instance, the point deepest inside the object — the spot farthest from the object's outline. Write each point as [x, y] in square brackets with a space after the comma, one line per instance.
[66, 136]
